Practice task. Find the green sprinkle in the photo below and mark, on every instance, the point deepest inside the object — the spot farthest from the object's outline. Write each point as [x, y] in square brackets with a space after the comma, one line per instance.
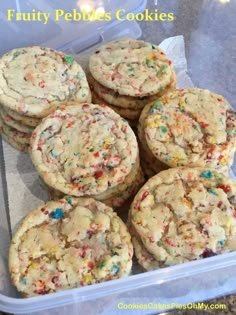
[77, 154]
[79, 76]
[120, 194]
[162, 69]
[115, 268]
[110, 167]
[156, 105]
[91, 150]
[231, 131]
[212, 191]
[56, 98]
[149, 63]
[69, 59]
[167, 159]
[68, 199]
[115, 254]
[16, 54]
[68, 141]
[161, 88]
[130, 70]
[221, 242]
[57, 214]
[154, 47]
[24, 281]
[164, 129]
[101, 265]
[206, 174]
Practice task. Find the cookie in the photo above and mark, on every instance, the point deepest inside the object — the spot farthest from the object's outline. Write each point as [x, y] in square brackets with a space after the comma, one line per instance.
[18, 136]
[35, 80]
[131, 67]
[23, 120]
[130, 114]
[191, 127]
[16, 145]
[118, 198]
[11, 122]
[69, 243]
[84, 149]
[144, 258]
[124, 101]
[120, 192]
[184, 214]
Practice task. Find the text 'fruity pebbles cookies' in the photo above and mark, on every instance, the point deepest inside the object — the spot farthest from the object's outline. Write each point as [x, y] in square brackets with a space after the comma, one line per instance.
[34, 81]
[189, 127]
[69, 243]
[87, 150]
[127, 74]
[183, 214]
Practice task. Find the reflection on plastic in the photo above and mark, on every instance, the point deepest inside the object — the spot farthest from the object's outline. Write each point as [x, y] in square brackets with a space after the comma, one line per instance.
[86, 5]
[224, 1]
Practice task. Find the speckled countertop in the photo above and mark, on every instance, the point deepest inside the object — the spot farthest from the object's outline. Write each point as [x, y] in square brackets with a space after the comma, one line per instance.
[209, 29]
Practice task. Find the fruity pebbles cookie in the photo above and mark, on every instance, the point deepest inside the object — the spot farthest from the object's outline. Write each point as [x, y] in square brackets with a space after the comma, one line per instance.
[69, 243]
[86, 150]
[183, 214]
[189, 127]
[127, 74]
[131, 67]
[34, 80]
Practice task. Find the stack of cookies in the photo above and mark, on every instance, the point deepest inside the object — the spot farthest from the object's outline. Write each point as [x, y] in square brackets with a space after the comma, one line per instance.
[189, 127]
[127, 74]
[69, 243]
[33, 82]
[181, 215]
[87, 150]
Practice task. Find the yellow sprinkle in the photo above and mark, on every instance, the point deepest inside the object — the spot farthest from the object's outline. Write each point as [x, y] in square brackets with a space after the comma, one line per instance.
[224, 161]
[108, 140]
[182, 104]
[212, 140]
[87, 279]
[228, 223]
[154, 122]
[151, 57]
[177, 157]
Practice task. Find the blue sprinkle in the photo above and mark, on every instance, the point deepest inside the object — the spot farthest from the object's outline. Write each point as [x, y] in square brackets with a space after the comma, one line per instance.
[115, 268]
[24, 281]
[221, 243]
[54, 154]
[57, 214]
[206, 174]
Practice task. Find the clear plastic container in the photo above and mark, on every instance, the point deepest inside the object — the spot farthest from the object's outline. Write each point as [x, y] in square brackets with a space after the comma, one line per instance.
[144, 293]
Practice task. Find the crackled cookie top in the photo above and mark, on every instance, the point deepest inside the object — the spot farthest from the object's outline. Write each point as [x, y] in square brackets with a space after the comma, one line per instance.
[131, 67]
[191, 127]
[185, 214]
[69, 243]
[84, 149]
[34, 80]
